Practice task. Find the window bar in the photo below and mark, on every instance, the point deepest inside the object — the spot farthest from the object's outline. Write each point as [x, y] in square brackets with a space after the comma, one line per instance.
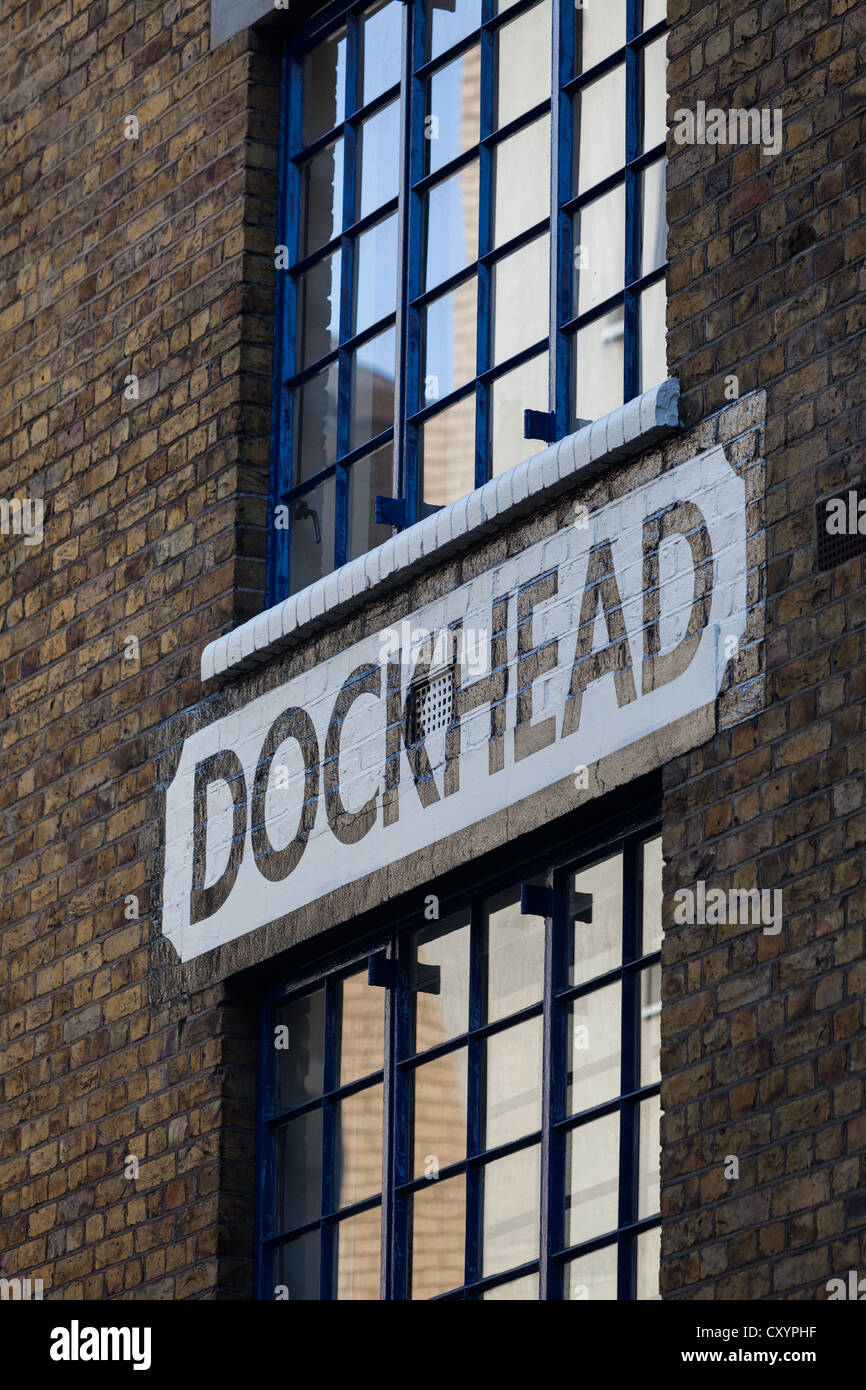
[475, 1137]
[412, 368]
[402, 336]
[631, 355]
[486, 308]
[400, 1205]
[333, 989]
[553, 1061]
[628, 1147]
[390, 1160]
[561, 248]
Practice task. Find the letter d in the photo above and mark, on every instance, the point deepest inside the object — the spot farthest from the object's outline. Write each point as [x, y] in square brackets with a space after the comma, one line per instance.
[220, 767]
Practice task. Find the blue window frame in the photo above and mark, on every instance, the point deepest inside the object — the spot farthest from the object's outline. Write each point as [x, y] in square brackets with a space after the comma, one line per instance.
[472, 227]
[469, 1108]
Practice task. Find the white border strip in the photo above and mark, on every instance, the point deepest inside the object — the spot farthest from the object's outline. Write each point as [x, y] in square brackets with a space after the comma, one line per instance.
[620, 435]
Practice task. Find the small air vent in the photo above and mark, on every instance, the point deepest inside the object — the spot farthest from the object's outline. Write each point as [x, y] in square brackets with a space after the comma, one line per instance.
[430, 705]
[837, 522]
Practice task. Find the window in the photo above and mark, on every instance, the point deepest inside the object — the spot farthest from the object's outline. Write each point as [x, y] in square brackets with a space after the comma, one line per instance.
[502, 1063]
[430, 298]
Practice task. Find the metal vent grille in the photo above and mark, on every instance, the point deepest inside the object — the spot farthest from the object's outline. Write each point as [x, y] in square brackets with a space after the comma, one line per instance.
[835, 549]
[430, 706]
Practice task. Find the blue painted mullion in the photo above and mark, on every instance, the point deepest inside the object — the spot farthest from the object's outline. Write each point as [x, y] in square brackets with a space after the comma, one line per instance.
[413, 270]
[328, 1233]
[347, 287]
[476, 1091]
[630, 1001]
[562, 250]
[401, 1206]
[631, 363]
[485, 244]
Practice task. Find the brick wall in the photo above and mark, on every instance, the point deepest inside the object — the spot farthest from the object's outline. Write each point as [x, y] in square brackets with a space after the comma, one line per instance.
[764, 1037]
[119, 257]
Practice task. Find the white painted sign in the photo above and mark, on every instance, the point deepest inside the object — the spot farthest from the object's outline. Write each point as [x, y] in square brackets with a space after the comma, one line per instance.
[574, 649]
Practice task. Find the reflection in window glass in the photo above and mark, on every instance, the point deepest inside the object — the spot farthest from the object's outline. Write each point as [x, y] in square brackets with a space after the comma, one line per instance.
[454, 103]
[594, 1049]
[297, 1267]
[599, 129]
[439, 1093]
[373, 367]
[650, 982]
[649, 1153]
[598, 366]
[441, 964]
[523, 63]
[321, 197]
[596, 910]
[318, 310]
[369, 478]
[653, 12]
[298, 1186]
[599, 31]
[311, 554]
[654, 225]
[381, 43]
[511, 1204]
[521, 299]
[521, 181]
[513, 1083]
[599, 250]
[300, 1051]
[452, 225]
[438, 1237]
[358, 1255]
[515, 956]
[315, 417]
[359, 1146]
[591, 1277]
[362, 1028]
[653, 336]
[379, 145]
[516, 1290]
[446, 26]
[324, 86]
[524, 388]
[449, 341]
[649, 1251]
[591, 1167]
[376, 273]
[652, 895]
[653, 68]
[448, 453]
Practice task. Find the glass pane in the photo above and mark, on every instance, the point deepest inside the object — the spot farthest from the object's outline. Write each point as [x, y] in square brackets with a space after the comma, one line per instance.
[376, 273]
[595, 909]
[591, 1168]
[598, 366]
[381, 43]
[514, 956]
[599, 130]
[521, 300]
[599, 30]
[653, 12]
[594, 1046]
[358, 1254]
[521, 181]
[321, 197]
[649, 1258]
[653, 69]
[369, 478]
[650, 1024]
[447, 26]
[298, 1171]
[513, 1083]
[452, 225]
[523, 58]
[324, 83]
[358, 1166]
[591, 1277]
[652, 895]
[448, 453]
[511, 1208]
[362, 1028]
[524, 388]
[297, 1268]
[517, 1290]
[314, 419]
[453, 105]
[438, 1237]
[439, 1094]
[300, 1046]
[311, 542]
[379, 147]
[373, 368]
[649, 1155]
[653, 336]
[654, 244]
[449, 341]
[599, 250]
[441, 964]
[318, 311]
